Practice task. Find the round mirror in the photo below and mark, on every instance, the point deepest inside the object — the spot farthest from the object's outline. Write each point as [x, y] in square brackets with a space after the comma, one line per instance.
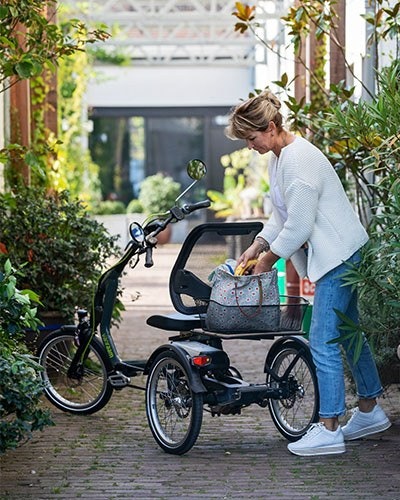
[196, 169]
[136, 232]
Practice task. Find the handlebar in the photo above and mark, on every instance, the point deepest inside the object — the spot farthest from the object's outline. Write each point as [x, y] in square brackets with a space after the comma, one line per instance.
[143, 241]
[176, 213]
[188, 209]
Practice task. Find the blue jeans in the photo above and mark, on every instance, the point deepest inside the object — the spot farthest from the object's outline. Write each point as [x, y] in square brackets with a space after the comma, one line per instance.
[330, 294]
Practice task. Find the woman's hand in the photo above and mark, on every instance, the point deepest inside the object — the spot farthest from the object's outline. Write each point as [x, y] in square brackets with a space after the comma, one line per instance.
[265, 264]
[251, 253]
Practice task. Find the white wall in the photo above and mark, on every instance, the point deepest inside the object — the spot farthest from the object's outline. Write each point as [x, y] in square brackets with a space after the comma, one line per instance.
[169, 86]
[118, 225]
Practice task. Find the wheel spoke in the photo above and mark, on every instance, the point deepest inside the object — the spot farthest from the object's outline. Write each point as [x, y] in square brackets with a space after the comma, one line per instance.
[84, 394]
[174, 420]
[293, 415]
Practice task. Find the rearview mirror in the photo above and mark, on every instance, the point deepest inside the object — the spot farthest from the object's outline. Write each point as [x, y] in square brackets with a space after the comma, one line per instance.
[136, 232]
[196, 169]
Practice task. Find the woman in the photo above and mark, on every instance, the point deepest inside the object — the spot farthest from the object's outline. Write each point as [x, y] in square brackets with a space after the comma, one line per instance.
[313, 225]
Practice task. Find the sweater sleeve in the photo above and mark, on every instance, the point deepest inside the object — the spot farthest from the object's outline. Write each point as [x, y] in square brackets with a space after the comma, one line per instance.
[271, 229]
[301, 200]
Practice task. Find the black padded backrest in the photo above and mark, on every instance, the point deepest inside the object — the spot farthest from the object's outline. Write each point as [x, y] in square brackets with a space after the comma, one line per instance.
[206, 247]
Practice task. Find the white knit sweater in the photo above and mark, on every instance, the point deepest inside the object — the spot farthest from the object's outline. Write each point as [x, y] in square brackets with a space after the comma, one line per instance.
[319, 212]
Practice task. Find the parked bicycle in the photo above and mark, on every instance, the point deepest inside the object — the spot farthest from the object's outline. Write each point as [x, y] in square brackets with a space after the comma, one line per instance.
[192, 372]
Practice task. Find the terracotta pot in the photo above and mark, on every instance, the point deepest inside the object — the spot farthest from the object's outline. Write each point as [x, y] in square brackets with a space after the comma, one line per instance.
[165, 236]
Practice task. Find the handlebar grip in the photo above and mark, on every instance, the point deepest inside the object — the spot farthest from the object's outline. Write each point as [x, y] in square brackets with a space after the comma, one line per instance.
[188, 209]
[149, 258]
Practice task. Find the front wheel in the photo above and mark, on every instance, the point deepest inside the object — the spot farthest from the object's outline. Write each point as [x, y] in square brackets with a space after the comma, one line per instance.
[293, 415]
[86, 392]
[173, 410]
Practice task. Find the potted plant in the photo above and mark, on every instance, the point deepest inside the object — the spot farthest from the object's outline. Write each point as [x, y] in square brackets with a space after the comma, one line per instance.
[60, 249]
[157, 195]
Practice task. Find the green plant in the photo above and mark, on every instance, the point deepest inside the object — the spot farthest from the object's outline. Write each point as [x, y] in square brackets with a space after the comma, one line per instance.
[74, 168]
[134, 207]
[109, 207]
[158, 193]
[61, 248]
[245, 185]
[375, 130]
[45, 42]
[20, 384]
[32, 46]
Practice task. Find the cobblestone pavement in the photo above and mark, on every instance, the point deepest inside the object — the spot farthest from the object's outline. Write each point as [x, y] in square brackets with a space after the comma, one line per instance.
[112, 454]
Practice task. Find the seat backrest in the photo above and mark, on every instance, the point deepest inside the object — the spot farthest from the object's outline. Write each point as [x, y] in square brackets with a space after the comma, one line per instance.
[206, 247]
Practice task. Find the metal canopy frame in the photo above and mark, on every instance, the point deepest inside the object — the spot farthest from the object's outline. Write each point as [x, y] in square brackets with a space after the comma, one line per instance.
[180, 32]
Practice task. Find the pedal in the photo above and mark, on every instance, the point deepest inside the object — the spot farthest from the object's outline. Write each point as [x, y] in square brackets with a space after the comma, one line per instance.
[118, 380]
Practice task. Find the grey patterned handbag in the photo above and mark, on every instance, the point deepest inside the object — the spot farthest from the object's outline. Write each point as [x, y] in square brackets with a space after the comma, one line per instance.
[243, 304]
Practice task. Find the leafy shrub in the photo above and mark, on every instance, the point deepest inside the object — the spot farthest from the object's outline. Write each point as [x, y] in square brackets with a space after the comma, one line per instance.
[368, 146]
[109, 207]
[62, 249]
[378, 282]
[134, 207]
[20, 383]
[21, 389]
[158, 193]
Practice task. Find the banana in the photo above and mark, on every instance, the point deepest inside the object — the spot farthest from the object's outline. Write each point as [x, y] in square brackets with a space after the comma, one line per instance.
[241, 270]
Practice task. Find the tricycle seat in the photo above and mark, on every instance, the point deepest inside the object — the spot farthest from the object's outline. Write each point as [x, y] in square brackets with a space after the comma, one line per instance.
[175, 321]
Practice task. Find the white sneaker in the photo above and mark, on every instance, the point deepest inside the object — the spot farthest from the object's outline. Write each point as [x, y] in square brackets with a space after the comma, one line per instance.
[319, 441]
[364, 424]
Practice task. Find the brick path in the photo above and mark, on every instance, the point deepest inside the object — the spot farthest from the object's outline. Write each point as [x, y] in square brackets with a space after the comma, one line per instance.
[112, 455]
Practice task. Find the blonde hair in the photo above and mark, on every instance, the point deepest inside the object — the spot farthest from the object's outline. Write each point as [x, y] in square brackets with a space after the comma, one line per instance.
[254, 114]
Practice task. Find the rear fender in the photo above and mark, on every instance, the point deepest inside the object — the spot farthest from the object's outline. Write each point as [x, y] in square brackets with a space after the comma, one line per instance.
[291, 340]
[196, 383]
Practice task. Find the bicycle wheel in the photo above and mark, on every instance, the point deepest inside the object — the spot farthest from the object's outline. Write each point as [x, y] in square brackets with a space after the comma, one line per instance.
[294, 415]
[85, 394]
[174, 411]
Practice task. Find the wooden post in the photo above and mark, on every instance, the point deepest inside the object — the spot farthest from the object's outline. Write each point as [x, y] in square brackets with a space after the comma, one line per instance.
[300, 84]
[337, 59]
[20, 115]
[300, 91]
[50, 111]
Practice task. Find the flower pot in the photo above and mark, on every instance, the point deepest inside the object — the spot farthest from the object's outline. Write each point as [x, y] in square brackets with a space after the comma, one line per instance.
[165, 236]
[52, 321]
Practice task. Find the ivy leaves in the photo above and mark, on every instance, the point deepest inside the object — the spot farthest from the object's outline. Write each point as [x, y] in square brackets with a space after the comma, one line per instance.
[30, 42]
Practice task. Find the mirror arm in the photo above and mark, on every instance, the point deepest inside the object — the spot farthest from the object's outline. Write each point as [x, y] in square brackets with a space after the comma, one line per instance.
[186, 190]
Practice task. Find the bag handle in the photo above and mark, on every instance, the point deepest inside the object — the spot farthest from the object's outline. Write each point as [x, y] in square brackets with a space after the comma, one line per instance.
[259, 306]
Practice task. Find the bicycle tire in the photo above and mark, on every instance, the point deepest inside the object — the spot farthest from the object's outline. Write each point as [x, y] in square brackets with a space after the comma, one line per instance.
[173, 410]
[84, 395]
[294, 415]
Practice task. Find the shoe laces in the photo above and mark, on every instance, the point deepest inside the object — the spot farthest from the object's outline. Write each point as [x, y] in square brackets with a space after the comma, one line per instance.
[314, 429]
[354, 413]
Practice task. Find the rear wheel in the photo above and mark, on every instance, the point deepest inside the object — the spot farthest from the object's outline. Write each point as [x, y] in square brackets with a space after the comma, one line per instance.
[85, 393]
[294, 415]
[173, 410]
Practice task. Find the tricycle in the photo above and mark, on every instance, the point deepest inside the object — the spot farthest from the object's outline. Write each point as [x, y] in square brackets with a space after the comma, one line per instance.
[190, 373]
